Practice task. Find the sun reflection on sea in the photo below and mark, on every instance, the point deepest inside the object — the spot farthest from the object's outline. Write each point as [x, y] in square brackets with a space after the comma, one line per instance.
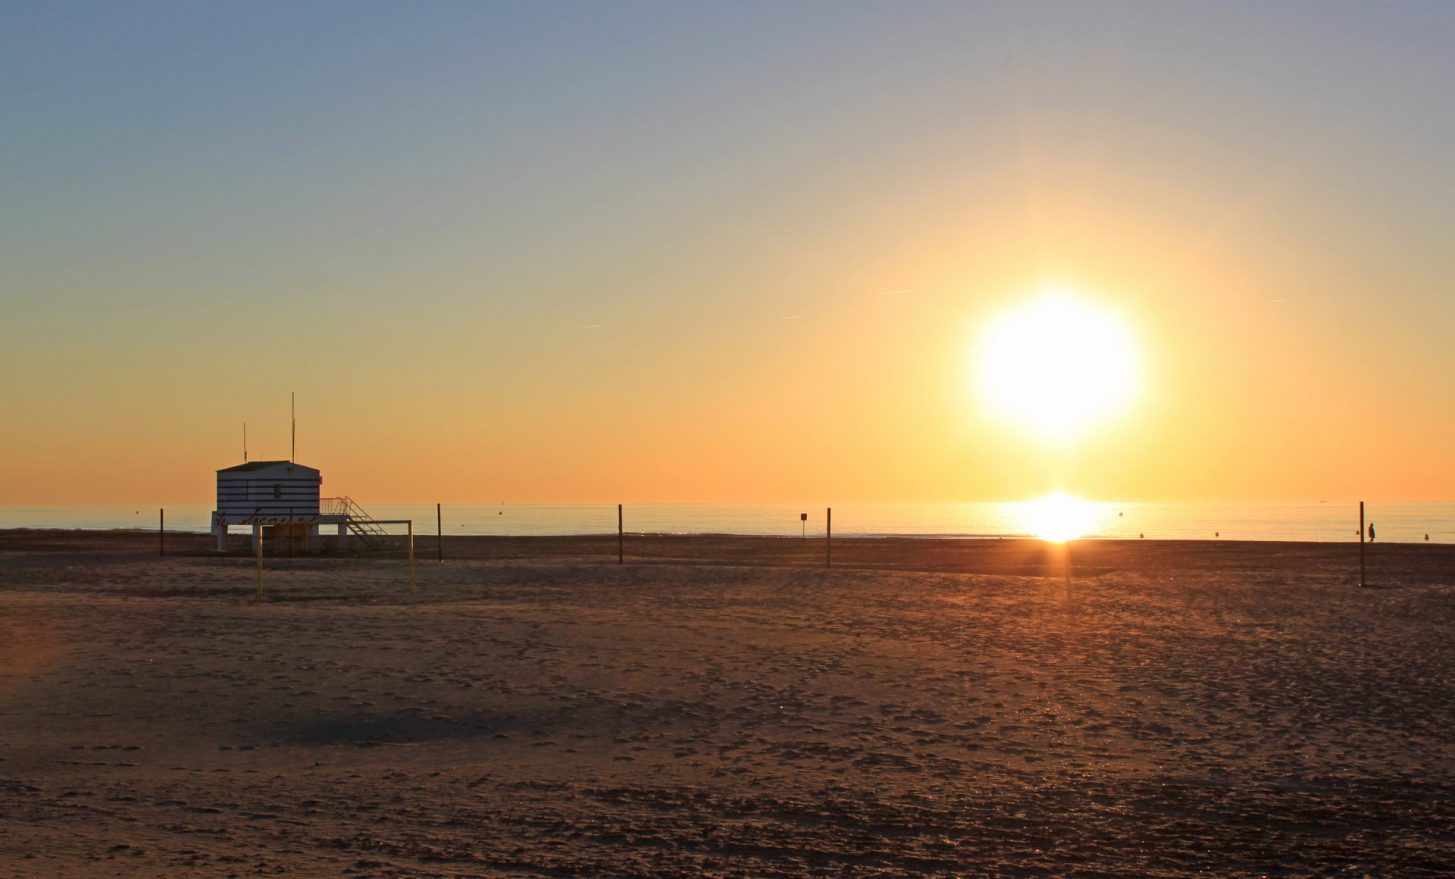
[1059, 517]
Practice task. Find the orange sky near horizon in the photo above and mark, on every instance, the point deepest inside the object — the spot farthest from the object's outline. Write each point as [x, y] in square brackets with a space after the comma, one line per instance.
[866, 396]
[759, 281]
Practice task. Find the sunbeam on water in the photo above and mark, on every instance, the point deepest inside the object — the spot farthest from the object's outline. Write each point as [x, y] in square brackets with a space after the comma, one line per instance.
[1059, 517]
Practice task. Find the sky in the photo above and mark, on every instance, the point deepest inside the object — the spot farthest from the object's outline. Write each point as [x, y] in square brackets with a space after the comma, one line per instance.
[729, 252]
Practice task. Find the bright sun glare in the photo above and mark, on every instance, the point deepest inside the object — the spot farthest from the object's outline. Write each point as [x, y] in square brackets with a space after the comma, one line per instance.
[1056, 366]
[1057, 517]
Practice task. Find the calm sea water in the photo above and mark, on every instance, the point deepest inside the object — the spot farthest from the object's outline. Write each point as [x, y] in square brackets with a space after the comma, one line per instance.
[1329, 522]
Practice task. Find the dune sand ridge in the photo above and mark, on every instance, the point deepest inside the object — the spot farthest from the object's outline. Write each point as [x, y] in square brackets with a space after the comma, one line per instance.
[726, 706]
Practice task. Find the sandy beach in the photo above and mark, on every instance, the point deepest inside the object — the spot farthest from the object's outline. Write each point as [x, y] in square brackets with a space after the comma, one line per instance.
[726, 707]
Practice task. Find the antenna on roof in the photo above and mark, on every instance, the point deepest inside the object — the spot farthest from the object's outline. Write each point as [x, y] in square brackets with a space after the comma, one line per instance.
[245, 442]
[293, 434]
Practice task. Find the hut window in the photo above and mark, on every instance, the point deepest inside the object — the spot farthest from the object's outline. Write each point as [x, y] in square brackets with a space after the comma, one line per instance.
[277, 492]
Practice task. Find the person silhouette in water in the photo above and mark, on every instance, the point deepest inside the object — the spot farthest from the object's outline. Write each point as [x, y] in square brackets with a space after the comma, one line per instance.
[1371, 532]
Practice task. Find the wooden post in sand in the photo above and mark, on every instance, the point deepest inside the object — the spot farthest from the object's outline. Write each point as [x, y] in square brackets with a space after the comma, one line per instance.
[259, 542]
[620, 552]
[1361, 543]
[411, 557]
[439, 530]
[828, 543]
[161, 531]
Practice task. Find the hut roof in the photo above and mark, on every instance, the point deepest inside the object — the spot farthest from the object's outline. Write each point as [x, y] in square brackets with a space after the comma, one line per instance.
[263, 465]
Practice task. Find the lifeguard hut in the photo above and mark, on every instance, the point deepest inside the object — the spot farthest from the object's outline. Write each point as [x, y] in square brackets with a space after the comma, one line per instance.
[283, 497]
[280, 495]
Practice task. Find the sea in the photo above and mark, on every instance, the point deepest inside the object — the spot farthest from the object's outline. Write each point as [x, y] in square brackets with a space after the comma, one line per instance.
[1322, 521]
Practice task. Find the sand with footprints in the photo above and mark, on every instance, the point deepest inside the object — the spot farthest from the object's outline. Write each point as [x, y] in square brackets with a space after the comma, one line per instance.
[726, 707]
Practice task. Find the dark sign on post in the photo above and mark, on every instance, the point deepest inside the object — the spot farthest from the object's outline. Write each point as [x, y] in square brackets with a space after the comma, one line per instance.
[803, 527]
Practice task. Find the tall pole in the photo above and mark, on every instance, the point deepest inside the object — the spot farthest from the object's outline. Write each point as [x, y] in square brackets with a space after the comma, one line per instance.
[161, 531]
[620, 551]
[260, 561]
[828, 544]
[411, 557]
[1361, 543]
[292, 425]
[439, 530]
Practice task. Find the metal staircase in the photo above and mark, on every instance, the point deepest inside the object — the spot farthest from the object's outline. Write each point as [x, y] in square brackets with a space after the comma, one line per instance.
[361, 524]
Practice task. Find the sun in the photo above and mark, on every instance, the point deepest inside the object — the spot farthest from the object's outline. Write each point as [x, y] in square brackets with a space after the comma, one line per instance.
[1056, 366]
